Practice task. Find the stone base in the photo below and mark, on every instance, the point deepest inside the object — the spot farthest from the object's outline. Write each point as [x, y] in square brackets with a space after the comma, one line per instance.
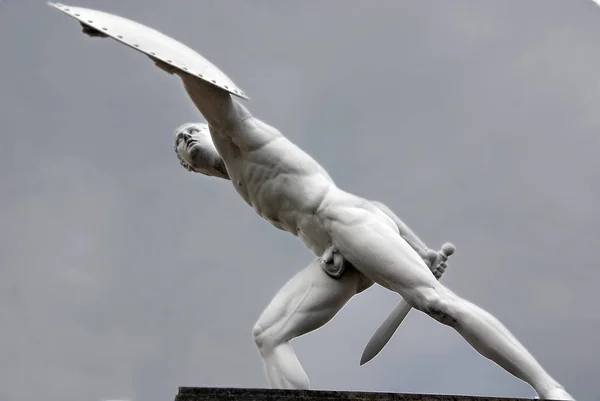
[248, 394]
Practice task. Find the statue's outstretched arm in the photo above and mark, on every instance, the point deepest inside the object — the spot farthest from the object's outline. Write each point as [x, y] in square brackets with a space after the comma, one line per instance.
[215, 104]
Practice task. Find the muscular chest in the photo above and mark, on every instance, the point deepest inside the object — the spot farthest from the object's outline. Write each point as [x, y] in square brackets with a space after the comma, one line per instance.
[281, 183]
[265, 188]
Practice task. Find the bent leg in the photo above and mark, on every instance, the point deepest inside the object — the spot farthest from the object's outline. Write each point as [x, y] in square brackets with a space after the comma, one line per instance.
[379, 253]
[305, 303]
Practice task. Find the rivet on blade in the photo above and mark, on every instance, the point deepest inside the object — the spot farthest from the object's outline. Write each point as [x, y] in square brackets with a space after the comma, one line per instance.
[120, 36]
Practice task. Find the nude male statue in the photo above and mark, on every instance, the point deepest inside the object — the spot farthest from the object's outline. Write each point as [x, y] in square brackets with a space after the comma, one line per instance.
[293, 192]
[357, 242]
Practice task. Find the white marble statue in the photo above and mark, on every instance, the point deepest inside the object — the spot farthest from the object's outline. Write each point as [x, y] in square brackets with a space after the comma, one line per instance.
[356, 242]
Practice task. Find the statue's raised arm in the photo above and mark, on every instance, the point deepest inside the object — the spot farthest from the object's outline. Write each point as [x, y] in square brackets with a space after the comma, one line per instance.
[216, 104]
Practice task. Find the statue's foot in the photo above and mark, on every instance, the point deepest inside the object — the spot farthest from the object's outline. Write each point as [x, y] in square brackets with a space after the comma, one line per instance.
[557, 394]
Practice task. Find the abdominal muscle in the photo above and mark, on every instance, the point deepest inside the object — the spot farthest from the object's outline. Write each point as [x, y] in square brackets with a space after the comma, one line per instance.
[292, 203]
[289, 199]
[292, 191]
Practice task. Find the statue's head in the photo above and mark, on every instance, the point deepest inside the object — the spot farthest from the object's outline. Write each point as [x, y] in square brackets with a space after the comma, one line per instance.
[196, 152]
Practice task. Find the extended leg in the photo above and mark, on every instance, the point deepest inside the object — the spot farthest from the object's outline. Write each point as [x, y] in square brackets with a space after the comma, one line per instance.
[305, 303]
[378, 252]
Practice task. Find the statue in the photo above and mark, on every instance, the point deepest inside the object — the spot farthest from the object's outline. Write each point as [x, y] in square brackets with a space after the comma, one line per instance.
[356, 242]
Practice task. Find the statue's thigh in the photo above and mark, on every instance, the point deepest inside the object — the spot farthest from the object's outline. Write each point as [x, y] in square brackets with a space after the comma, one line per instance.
[308, 300]
[377, 251]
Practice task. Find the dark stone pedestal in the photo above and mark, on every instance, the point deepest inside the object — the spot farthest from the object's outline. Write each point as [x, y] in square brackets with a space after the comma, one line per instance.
[247, 394]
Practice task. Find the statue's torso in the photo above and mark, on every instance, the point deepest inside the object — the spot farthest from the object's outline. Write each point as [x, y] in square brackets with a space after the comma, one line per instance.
[284, 185]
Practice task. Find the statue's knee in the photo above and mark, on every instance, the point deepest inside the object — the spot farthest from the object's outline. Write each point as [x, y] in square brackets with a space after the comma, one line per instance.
[264, 339]
[435, 304]
[257, 334]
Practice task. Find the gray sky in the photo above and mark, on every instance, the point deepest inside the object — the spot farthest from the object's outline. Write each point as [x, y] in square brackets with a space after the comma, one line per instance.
[476, 121]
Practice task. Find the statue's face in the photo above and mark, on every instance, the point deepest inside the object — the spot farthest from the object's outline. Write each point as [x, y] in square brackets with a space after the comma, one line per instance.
[194, 147]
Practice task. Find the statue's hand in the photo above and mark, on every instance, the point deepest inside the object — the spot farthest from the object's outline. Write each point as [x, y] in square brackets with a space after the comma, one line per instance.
[439, 271]
[430, 258]
[92, 32]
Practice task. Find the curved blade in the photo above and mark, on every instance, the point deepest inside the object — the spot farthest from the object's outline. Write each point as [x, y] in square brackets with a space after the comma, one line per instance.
[152, 43]
[385, 332]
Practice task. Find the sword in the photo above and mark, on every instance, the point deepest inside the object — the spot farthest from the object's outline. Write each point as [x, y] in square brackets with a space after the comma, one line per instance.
[387, 329]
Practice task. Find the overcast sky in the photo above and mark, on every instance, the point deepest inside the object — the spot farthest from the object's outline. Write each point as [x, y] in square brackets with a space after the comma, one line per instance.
[476, 121]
